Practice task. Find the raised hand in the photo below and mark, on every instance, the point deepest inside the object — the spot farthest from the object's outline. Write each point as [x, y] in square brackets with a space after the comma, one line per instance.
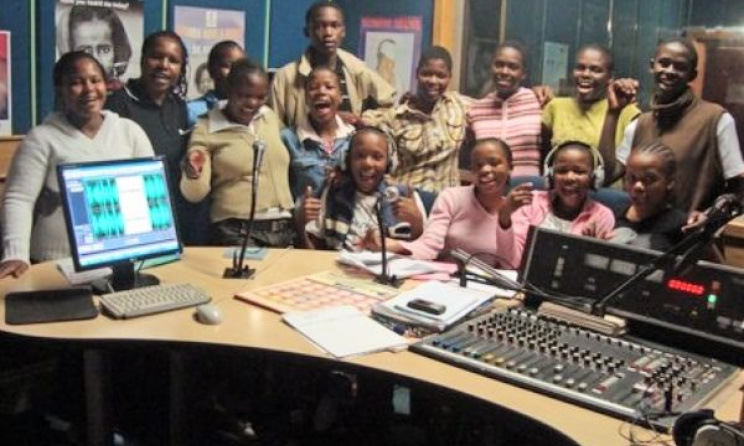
[405, 207]
[544, 94]
[519, 196]
[621, 92]
[592, 230]
[195, 161]
[310, 206]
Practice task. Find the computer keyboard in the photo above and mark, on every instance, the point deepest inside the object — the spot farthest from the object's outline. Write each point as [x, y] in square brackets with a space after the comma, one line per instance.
[153, 299]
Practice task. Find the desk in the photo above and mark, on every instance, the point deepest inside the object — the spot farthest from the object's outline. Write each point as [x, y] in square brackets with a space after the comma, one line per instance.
[251, 327]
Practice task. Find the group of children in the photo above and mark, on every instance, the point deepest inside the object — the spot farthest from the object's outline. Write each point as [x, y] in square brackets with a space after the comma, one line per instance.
[327, 166]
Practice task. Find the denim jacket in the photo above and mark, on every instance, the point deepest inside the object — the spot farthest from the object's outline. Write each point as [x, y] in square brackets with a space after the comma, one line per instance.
[309, 162]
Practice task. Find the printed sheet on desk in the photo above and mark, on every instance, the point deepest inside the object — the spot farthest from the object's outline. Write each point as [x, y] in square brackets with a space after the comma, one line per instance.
[322, 290]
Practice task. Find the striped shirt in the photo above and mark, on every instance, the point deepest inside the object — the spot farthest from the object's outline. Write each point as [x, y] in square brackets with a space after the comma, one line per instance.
[516, 120]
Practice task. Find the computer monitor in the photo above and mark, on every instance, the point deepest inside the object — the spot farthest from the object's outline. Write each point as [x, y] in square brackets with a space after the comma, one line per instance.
[118, 213]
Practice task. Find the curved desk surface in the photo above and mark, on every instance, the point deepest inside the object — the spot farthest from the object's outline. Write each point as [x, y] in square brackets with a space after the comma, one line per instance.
[252, 327]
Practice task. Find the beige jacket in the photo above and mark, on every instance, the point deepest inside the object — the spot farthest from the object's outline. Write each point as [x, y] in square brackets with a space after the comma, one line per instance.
[227, 173]
[288, 88]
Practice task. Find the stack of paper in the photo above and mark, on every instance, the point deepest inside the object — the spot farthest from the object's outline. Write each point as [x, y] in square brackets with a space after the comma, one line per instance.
[67, 268]
[457, 302]
[400, 267]
[344, 331]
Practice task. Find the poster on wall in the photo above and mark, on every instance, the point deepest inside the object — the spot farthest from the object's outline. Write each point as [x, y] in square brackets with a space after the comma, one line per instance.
[112, 31]
[200, 29]
[392, 46]
[555, 67]
[6, 111]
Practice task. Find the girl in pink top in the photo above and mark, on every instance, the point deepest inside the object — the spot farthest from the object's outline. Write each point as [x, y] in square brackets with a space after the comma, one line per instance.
[510, 112]
[474, 218]
[566, 207]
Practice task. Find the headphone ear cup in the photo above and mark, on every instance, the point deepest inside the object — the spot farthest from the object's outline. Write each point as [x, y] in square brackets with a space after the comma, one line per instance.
[599, 170]
[688, 424]
[549, 177]
[598, 177]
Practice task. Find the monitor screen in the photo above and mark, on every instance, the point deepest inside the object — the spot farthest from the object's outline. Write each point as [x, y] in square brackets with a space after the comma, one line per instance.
[117, 211]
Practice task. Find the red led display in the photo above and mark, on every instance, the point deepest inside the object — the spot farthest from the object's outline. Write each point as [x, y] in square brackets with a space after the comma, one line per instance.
[686, 287]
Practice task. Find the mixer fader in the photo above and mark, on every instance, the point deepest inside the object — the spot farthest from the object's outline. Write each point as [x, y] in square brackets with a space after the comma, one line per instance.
[622, 377]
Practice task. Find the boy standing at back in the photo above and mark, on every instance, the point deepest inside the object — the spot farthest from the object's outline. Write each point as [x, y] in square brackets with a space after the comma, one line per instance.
[361, 88]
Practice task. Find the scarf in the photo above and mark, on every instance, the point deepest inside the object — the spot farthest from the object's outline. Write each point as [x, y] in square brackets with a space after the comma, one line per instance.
[668, 114]
[339, 211]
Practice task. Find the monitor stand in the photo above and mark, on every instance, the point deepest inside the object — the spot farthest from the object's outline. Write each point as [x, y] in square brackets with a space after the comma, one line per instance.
[124, 277]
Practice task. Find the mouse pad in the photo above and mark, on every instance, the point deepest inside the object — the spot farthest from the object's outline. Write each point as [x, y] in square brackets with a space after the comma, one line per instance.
[31, 307]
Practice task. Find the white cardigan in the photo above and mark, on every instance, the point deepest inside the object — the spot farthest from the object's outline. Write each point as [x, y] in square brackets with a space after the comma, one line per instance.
[33, 170]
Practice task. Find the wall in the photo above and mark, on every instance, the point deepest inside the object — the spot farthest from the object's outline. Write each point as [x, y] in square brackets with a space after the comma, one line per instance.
[20, 25]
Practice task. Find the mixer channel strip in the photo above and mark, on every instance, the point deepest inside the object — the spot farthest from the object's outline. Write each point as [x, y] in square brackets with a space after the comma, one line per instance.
[612, 375]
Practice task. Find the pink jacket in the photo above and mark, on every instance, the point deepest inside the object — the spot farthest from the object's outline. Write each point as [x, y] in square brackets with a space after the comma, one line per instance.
[535, 213]
[459, 221]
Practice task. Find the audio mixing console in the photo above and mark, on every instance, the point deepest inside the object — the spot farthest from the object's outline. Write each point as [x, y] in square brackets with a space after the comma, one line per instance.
[622, 377]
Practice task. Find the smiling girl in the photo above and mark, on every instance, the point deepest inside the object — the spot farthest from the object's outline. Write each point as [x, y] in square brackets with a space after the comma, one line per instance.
[317, 145]
[566, 206]
[79, 131]
[346, 211]
[511, 112]
[475, 218]
[220, 161]
[428, 127]
[155, 101]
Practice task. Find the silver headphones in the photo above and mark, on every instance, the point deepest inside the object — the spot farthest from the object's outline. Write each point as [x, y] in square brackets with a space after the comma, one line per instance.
[598, 175]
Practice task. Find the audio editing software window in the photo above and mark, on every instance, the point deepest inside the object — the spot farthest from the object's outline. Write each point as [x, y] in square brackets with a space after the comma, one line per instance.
[119, 211]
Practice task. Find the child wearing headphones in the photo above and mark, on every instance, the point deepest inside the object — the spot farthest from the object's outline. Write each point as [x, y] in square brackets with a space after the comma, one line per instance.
[573, 169]
[346, 210]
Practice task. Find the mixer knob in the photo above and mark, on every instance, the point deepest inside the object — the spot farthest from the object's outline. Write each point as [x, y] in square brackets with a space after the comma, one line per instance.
[558, 368]
[534, 371]
[569, 382]
[522, 368]
[557, 378]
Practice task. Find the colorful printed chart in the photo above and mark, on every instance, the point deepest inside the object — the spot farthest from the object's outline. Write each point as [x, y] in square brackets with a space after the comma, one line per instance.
[327, 289]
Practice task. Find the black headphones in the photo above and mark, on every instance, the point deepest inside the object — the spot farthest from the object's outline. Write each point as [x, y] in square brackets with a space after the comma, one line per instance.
[597, 175]
[701, 428]
[392, 162]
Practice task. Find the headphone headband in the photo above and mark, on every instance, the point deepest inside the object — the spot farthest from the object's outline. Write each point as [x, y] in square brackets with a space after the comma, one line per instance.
[598, 172]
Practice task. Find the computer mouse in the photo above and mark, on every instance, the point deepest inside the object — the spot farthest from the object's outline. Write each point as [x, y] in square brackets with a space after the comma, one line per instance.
[209, 314]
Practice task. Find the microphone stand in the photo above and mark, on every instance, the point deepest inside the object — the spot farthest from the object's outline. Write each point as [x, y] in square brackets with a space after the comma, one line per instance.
[688, 249]
[239, 269]
[384, 278]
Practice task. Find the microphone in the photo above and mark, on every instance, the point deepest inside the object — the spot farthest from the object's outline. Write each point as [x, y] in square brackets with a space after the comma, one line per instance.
[677, 260]
[239, 270]
[259, 148]
[401, 230]
[391, 194]
[384, 278]
[725, 206]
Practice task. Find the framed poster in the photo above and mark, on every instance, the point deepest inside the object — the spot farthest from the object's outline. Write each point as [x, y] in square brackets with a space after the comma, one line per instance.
[200, 29]
[112, 31]
[6, 90]
[392, 46]
[555, 66]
